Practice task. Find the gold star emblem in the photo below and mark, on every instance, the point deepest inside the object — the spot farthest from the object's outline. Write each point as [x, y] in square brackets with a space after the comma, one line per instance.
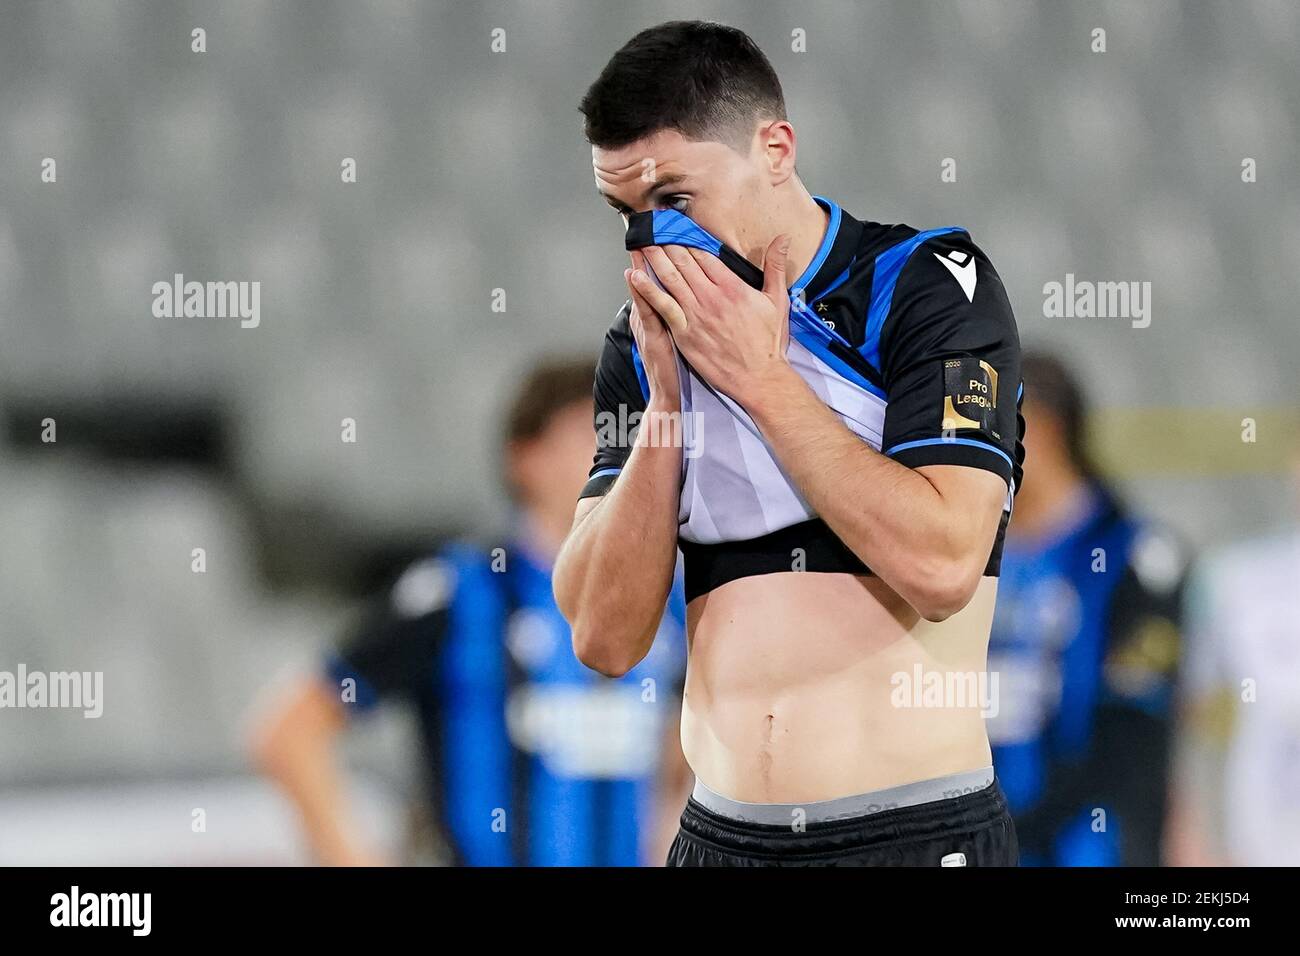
[821, 307]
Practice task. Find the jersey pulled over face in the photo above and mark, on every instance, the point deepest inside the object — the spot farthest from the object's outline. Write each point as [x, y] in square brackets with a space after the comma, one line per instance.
[908, 336]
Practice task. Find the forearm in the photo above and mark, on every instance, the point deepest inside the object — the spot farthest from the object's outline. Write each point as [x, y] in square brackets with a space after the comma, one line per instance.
[310, 777]
[301, 761]
[615, 570]
[889, 515]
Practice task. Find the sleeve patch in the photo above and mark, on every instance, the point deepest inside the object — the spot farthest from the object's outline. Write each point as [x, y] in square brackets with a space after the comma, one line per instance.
[970, 395]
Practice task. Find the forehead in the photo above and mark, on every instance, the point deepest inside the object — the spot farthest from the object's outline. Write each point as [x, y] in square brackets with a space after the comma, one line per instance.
[570, 420]
[665, 153]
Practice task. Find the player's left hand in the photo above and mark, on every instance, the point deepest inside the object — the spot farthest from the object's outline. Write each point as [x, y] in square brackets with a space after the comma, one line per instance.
[735, 337]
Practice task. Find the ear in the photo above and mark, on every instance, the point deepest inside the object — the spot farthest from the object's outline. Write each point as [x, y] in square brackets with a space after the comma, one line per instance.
[777, 139]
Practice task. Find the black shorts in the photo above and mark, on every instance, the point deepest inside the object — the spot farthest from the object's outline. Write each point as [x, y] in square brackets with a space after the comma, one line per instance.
[973, 829]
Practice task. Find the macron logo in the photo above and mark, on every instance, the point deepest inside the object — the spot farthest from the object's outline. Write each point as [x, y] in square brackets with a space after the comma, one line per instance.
[962, 267]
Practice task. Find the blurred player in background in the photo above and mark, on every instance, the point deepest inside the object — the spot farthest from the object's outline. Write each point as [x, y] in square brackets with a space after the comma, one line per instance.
[533, 758]
[1085, 644]
[1238, 777]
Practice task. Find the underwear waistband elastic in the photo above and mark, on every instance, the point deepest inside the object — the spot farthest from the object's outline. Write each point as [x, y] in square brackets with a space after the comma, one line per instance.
[842, 808]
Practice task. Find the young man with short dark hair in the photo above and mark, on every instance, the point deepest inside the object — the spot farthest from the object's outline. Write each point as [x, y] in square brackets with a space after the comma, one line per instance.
[845, 394]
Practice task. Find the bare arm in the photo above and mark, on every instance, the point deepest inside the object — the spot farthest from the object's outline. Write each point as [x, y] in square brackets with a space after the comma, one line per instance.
[294, 746]
[614, 572]
[926, 532]
[613, 575]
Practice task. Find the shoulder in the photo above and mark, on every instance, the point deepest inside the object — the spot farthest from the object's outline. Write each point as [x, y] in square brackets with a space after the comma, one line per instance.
[944, 261]
[1146, 603]
[431, 583]
[879, 238]
[902, 256]
[921, 275]
[1153, 558]
[895, 244]
[621, 328]
[619, 376]
[619, 344]
[1158, 558]
[934, 293]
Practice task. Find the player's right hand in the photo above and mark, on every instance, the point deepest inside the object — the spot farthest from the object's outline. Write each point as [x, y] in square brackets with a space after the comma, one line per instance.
[653, 341]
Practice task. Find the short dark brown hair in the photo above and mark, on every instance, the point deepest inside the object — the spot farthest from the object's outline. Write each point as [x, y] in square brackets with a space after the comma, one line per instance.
[1051, 383]
[548, 388]
[704, 80]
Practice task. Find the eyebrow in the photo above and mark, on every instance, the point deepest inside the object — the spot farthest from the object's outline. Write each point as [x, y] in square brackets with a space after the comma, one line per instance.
[663, 182]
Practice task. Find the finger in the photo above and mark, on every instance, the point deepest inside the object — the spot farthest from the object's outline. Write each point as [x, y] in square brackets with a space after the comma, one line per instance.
[690, 270]
[671, 279]
[639, 262]
[774, 263]
[637, 322]
[641, 310]
[649, 329]
[627, 281]
[712, 267]
[658, 300]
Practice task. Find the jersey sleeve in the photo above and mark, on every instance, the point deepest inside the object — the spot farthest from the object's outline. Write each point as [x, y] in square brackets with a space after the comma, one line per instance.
[950, 359]
[620, 399]
[391, 650]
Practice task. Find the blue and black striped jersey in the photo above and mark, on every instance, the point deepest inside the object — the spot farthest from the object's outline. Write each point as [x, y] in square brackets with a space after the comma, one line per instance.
[1085, 645]
[908, 336]
[534, 759]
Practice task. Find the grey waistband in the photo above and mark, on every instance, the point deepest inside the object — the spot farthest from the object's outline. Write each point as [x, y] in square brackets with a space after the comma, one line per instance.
[841, 808]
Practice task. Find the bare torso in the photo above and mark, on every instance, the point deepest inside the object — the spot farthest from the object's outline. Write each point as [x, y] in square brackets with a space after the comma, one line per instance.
[797, 686]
